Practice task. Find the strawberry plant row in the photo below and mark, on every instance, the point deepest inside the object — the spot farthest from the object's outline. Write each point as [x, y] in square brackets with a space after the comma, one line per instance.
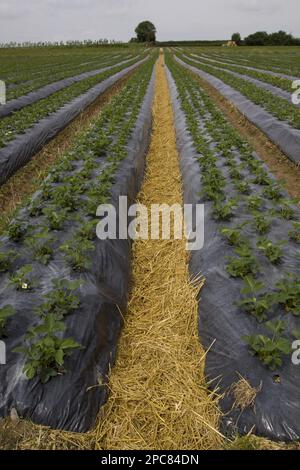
[33, 65]
[278, 107]
[25, 118]
[281, 133]
[55, 86]
[48, 76]
[264, 76]
[250, 305]
[255, 80]
[280, 60]
[63, 289]
[18, 152]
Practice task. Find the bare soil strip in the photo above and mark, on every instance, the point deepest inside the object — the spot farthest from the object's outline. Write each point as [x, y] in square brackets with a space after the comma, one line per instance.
[279, 164]
[158, 395]
[26, 180]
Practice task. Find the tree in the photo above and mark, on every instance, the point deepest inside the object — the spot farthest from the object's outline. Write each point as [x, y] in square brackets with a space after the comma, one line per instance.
[146, 32]
[236, 37]
[261, 38]
[281, 39]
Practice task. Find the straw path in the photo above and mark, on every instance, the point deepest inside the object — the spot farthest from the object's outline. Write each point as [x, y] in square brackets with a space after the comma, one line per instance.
[158, 396]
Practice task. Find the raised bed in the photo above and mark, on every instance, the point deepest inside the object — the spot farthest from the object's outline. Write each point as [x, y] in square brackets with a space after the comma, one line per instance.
[64, 289]
[24, 146]
[247, 320]
[279, 132]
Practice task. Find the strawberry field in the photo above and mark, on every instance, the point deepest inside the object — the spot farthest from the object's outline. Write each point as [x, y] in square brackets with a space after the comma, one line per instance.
[123, 342]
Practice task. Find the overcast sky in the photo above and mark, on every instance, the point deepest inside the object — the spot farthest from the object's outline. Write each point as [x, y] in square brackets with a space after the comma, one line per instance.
[53, 20]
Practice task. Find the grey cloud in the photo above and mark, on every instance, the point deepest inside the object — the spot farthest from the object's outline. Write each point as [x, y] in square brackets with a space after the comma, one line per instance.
[116, 19]
[257, 6]
[11, 10]
[71, 4]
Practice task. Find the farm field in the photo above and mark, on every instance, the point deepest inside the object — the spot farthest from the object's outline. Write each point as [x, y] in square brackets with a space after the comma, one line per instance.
[25, 71]
[277, 59]
[261, 92]
[142, 344]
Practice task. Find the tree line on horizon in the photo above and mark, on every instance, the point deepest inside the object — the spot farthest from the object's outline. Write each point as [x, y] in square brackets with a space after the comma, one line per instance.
[262, 38]
[70, 43]
[146, 33]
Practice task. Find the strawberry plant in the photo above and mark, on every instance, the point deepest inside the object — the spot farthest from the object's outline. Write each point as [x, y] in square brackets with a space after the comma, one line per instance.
[64, 197]
[210, 194]
[87, 230]
[88, 166]
[64, 165]
[255, 303]
[6, 259]
[262, 178]
[35, 208]
[243, 187]
[288, 294]
[77, 253]
[293, 234]
[46, 189]
[92, 204]
[273, 192]
[273, 251]
[270, 349]
[100, 143]
[207, 163]
[244, 265]
[211, 178]
[235, 175]
[225, 153]
[17, 229]
[55, 218]
[254, 165]
[5, 313]
[213, 184]
[61, 300]
[285, 210]
[254, 203]
[39, 243]
[261, 224]
[224, 211]
[246, 157]
[77, 183]
[23, 279]
[45, 350]
[234, 235]
[230, 162]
